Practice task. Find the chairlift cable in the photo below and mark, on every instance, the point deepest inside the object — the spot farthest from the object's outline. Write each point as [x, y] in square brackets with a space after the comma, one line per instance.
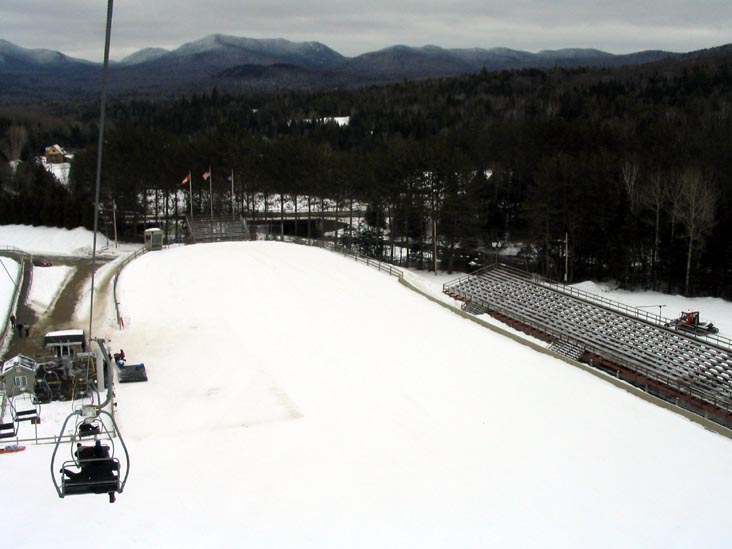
[117, 484]
[8, 272]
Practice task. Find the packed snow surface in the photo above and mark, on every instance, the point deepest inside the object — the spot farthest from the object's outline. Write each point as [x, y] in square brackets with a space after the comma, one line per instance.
[300, 399]
[329, 406]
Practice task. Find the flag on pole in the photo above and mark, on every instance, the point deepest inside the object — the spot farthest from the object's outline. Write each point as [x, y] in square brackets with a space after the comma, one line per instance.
[186, 180]
[207, 174]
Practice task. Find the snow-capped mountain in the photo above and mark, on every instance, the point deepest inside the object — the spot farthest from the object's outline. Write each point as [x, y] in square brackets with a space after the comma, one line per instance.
[15, 57]
[143, 56]
[248, 64]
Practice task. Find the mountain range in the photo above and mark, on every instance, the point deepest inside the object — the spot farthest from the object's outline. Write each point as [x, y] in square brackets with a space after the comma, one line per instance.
[265, 65]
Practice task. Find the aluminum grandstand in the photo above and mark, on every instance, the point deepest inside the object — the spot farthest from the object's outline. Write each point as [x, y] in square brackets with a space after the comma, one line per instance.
[630, 343]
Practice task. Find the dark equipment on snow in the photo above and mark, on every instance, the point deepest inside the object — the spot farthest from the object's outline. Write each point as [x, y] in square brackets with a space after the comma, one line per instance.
[688, 321]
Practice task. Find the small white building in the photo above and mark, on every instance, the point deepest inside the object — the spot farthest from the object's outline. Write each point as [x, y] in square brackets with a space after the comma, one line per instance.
[18, 375]
[153, 239]
[65, 343]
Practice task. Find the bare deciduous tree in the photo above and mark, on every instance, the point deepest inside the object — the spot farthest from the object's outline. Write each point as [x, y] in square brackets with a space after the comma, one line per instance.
[630, 171]
[654, 197]
[15, 140]
[696, 211]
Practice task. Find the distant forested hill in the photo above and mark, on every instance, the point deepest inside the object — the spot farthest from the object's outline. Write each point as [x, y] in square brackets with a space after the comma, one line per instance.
[629, 168]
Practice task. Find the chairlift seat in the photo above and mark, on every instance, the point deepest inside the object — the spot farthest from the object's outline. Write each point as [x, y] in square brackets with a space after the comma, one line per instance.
[87, 453]
[101, 484]
[88, 430]
[26, 415]
[77, 487]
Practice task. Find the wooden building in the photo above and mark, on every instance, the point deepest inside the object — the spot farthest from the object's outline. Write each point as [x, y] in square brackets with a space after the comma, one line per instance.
[55, 155]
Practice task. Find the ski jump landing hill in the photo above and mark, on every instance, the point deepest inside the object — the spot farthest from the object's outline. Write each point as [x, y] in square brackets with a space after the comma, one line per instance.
[690, 372]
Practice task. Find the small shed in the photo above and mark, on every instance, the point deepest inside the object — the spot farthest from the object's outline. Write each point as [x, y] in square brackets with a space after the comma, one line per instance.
[153, 239]
[65, 343]
[18, 375]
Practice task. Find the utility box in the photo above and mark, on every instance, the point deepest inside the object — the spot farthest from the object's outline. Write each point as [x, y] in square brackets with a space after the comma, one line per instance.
[153, 239]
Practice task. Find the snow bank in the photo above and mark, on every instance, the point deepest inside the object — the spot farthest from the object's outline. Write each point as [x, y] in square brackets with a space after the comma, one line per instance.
[47, 283]
[57, 242]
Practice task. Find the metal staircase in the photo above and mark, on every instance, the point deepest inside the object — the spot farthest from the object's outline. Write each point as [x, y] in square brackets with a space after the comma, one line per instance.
[217, 228]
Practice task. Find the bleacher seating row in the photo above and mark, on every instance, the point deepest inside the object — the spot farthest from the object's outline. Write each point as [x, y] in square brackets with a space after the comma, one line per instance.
[662, 354]
[219, 228]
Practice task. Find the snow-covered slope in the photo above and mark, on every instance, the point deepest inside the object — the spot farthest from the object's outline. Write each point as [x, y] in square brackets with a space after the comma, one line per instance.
[55, 241]
[300, 399]
[143, 56]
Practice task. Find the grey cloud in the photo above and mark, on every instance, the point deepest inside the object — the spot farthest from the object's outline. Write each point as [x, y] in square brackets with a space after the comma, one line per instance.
[76, 27]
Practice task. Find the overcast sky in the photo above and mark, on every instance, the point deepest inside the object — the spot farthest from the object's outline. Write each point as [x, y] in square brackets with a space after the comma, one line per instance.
[76, 27]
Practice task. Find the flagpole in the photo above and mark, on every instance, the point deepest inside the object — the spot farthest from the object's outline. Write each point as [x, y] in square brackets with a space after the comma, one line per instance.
[210, 190]
[232, 192]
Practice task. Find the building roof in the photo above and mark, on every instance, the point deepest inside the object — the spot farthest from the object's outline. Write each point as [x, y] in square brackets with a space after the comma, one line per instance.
[58, 148]
[64, 337]
[20, 361]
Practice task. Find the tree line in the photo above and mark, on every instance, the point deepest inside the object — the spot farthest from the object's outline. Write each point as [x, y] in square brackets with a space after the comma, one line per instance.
[607, 174]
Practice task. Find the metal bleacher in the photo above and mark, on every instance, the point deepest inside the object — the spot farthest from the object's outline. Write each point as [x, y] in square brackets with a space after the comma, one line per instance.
[217, 228]
[676, 364]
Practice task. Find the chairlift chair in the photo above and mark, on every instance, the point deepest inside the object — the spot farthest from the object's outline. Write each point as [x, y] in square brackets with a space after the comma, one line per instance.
[93, 467]
[8, 420]
[26, 408]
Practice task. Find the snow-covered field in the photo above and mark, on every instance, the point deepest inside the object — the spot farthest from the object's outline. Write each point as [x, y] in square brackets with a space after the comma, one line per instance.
[56, 242]
[301, 399]
[60, 171]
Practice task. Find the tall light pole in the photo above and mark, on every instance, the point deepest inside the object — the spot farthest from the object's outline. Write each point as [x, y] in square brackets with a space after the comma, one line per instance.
[100, 146]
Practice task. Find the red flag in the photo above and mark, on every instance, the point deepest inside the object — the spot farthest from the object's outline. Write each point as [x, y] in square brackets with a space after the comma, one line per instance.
[207, 174]
[186, 180]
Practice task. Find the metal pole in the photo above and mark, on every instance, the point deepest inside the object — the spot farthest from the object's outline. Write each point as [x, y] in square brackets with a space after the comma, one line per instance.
[100, 146]
[232, 192]
[114, 221]
[190, 192]
[566, 256]
[210, 190]
[434, 245]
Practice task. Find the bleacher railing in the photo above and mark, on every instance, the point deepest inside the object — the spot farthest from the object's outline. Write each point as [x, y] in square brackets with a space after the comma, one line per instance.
[342, 250]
